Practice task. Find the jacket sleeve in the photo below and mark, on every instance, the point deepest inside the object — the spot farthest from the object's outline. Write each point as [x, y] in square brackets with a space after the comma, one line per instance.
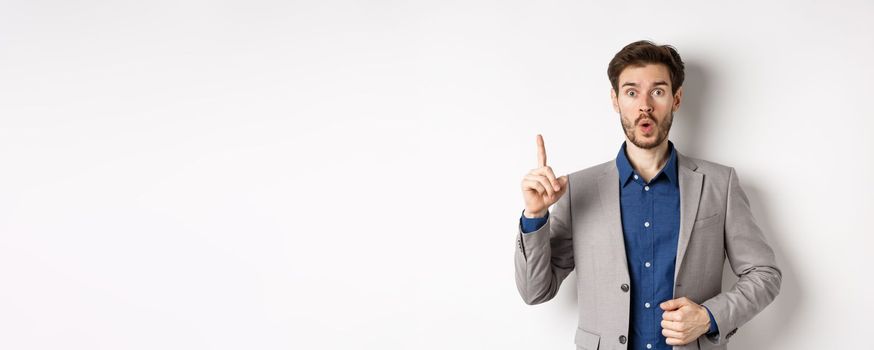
[545, 257]
[751, 259]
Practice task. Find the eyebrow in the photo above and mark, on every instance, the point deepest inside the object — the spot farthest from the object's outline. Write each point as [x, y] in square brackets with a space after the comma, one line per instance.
[660, 82]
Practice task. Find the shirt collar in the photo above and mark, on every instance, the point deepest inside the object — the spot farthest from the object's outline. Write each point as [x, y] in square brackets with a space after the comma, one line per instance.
[626, 171]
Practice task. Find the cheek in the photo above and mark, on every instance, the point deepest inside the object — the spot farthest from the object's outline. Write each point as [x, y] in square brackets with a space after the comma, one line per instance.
[627, 104]
[662, 102]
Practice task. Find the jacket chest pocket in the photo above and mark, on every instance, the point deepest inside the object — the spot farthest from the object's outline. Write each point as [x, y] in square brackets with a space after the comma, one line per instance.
[586, 340]
[707, 221]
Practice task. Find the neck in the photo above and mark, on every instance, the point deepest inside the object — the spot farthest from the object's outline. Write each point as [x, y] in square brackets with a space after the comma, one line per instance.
[647, 162]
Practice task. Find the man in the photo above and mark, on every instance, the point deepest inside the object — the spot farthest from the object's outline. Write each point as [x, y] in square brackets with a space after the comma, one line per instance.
[648, 232]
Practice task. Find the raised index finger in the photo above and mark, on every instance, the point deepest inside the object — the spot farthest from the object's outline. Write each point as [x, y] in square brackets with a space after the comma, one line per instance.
[541, 152]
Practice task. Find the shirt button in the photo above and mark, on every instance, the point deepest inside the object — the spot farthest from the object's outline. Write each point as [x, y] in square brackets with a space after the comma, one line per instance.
[649, 346]
[647, 264]
[646, 224]
[635, 176]
[624, 287]
[646, 305]
[646, 188]
[622, 339]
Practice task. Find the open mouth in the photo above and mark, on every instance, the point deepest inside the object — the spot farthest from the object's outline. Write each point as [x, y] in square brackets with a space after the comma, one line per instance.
[646, 125]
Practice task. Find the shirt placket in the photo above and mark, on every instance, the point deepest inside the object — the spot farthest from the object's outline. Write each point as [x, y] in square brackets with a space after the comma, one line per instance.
[649, 255]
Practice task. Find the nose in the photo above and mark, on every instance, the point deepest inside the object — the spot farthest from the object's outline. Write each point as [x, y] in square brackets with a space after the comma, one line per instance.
[645, 106]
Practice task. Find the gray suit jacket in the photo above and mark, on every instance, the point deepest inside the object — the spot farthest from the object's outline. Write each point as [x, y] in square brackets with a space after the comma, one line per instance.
[584, 231]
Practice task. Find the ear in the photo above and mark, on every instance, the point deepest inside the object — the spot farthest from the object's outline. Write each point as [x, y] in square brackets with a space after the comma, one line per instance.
[678, 97]
[615, 100]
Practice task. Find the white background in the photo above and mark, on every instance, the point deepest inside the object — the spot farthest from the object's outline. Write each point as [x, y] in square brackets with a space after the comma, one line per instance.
[331, 175]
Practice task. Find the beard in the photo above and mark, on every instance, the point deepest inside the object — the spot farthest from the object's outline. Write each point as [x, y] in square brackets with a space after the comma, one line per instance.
[661, 130]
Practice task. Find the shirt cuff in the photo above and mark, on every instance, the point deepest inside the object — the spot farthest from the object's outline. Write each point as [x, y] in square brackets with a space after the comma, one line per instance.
[531, 225]
[713, 328]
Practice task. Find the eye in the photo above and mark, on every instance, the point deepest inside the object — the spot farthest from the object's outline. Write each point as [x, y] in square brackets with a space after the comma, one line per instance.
[631, 93]
[658, 92]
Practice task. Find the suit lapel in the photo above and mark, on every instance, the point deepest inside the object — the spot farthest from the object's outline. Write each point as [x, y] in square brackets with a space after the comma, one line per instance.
[608, 187]
[691, 183]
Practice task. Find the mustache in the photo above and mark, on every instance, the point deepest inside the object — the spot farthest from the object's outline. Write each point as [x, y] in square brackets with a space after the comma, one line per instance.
[643, 117]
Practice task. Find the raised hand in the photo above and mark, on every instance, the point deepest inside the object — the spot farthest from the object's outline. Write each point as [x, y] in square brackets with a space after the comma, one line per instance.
[540, 187]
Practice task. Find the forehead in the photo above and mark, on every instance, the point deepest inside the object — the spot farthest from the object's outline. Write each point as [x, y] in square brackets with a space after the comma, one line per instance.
[645, 75]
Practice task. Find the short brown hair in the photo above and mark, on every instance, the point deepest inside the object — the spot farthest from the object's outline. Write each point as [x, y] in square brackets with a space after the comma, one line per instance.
[643, 52]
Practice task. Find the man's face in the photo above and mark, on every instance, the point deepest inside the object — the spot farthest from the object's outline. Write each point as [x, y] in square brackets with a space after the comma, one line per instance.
[645, 104]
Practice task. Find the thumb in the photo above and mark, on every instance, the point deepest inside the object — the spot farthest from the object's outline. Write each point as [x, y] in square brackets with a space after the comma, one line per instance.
[672, 304]
[562, 185]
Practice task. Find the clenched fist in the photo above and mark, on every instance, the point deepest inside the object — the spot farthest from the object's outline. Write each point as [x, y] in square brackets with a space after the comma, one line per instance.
[540, 187]
[683, 321]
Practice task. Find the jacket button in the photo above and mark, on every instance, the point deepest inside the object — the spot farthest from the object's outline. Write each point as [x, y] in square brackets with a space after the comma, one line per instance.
[622, 339]
[624, 288]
